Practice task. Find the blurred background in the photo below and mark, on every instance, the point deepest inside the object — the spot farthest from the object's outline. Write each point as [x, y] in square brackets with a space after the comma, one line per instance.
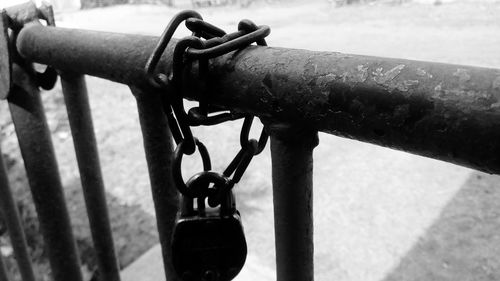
[379, 214]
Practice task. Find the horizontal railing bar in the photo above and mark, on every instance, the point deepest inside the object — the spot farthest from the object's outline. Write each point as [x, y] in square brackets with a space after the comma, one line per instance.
[443, 111]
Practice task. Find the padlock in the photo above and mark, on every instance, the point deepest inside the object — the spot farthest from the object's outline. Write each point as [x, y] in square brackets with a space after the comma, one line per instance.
[208, 243]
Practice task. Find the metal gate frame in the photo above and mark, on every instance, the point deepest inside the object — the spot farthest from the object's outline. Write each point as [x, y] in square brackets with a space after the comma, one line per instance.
[447, 112]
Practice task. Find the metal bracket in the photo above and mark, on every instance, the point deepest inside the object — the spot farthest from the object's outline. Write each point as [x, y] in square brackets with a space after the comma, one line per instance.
[21, 14]
[14, 18]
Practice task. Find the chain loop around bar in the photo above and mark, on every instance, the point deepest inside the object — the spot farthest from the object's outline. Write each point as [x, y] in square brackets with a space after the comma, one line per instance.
[165, 38]
[207, 42]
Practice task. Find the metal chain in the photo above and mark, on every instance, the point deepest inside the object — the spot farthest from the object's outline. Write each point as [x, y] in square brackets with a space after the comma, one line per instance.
[206, 42]
[249, 147]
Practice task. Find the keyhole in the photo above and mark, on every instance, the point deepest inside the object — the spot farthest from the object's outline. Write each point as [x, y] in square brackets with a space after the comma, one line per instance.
[210, 275]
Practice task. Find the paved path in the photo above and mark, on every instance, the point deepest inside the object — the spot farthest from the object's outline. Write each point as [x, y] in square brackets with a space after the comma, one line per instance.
[371, 205]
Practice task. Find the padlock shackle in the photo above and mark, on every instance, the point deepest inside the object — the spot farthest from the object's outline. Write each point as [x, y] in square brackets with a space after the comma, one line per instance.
[221, 190]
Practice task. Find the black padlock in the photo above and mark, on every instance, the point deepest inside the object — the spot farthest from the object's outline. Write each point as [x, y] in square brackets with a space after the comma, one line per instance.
[208, 243]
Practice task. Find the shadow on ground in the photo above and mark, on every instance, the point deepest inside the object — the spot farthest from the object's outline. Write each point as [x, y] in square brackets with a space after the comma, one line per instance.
[464, 242]
[134, 231]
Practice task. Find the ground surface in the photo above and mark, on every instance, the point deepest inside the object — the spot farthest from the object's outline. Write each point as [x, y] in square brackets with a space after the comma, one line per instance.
[379, 214]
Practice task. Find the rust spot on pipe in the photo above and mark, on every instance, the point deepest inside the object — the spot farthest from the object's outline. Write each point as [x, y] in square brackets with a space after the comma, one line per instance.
[362, 73]
[383, 78]
[496, 83]
[422, 73]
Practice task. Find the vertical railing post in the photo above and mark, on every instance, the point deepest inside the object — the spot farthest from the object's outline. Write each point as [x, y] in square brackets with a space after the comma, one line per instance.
[4, 275]
[158, 147]
[10, 215]
[41, 168]
[292, 169]
[82, 130]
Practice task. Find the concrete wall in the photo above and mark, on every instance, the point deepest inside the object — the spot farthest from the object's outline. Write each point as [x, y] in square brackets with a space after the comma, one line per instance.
[65, 5]
[59, 5]
[450, 1]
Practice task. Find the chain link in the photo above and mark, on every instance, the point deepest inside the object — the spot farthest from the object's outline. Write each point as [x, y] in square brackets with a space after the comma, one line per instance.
[152, 62]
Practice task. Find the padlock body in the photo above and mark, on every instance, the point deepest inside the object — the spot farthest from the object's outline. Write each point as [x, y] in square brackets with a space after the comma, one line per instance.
[209, 243]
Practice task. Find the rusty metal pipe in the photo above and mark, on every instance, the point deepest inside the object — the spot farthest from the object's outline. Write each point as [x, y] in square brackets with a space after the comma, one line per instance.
[292, 164]
[159, 148]
[82, 130]
[443, 111]
[10, 215]
[4, 274]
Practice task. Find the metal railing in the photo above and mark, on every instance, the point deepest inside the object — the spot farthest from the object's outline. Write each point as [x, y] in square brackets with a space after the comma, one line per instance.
[447, 112]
